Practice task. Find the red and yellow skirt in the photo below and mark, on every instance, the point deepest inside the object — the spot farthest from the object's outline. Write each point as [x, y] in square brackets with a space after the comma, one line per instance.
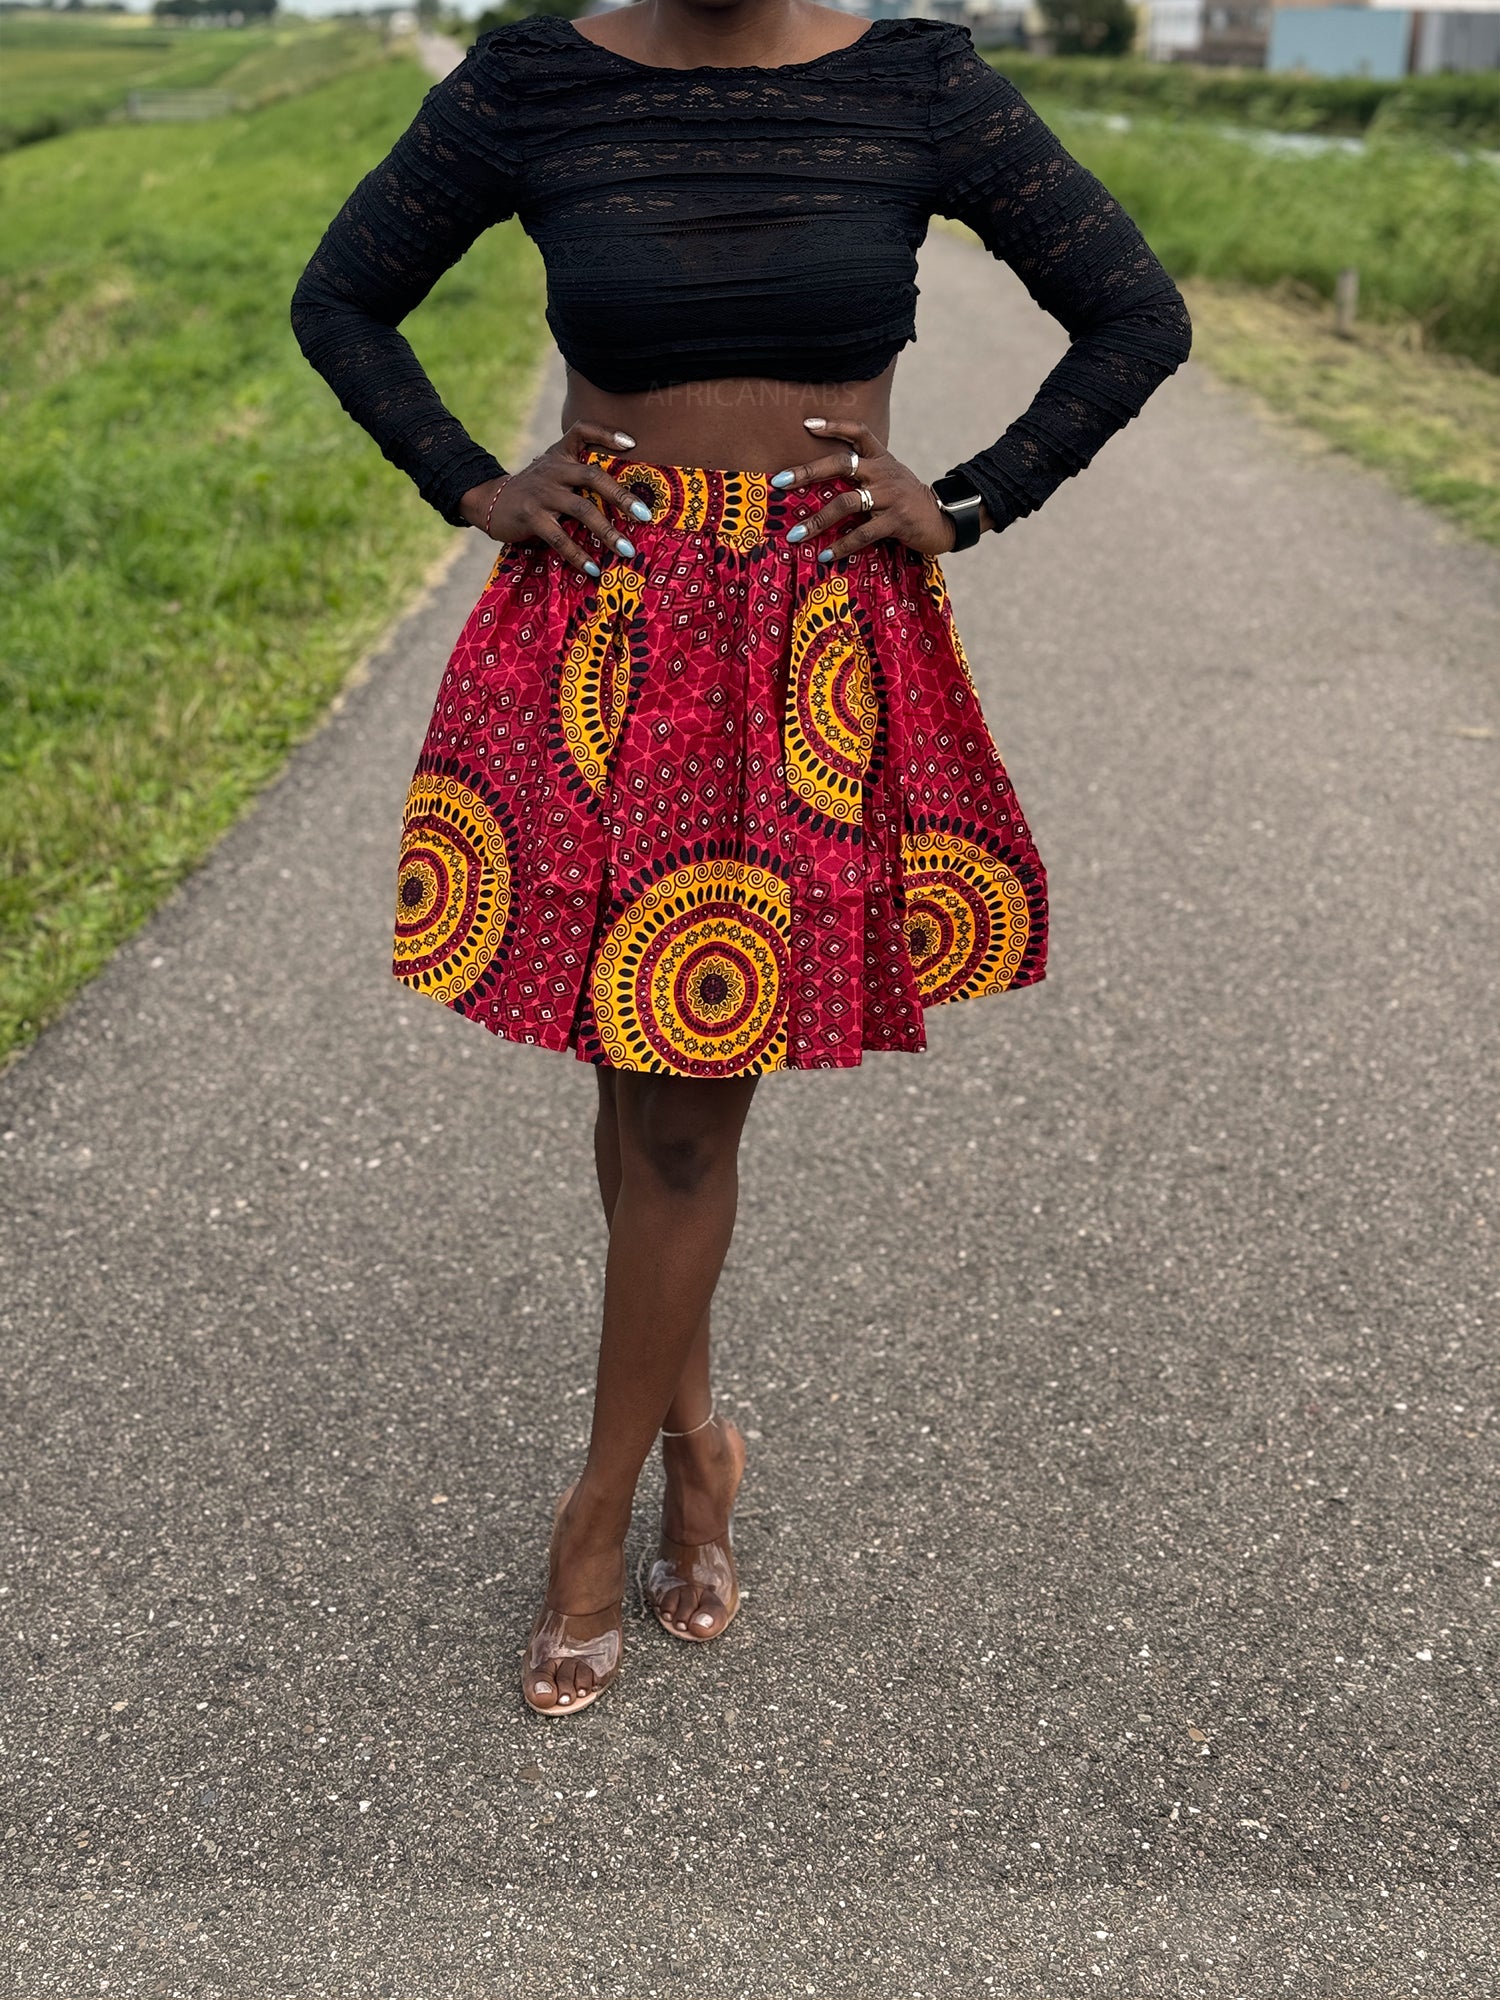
[727, 810]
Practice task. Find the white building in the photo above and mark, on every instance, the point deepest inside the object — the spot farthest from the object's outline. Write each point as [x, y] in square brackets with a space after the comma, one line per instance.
[1170, 25]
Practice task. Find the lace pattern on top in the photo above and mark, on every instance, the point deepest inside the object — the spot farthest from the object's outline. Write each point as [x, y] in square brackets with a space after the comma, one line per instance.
[713, 222]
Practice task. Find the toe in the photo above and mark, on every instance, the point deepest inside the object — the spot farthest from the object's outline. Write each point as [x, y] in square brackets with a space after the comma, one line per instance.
[671, 1604]
[567, 1683]
[541, 1690]
[708, 1616]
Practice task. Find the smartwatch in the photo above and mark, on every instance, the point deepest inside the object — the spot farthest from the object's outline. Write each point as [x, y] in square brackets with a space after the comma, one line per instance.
[959, 500]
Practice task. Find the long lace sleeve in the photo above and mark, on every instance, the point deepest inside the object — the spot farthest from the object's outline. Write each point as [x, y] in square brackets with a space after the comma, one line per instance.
[449, 176]
[1006, 174]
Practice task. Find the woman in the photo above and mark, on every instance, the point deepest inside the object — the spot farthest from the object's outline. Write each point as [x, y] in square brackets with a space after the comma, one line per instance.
[706, 790]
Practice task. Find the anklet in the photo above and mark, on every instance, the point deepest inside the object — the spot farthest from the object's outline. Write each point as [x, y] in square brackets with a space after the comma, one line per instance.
[713, 1410]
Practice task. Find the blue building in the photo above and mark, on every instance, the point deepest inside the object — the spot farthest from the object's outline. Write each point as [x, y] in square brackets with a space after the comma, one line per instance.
[1341, 41]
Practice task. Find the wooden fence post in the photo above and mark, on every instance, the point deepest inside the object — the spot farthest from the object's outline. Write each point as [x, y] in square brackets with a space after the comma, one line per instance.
[1345, 301]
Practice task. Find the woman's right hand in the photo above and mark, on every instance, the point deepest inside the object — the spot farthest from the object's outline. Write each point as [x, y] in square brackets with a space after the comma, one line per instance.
[528, 504]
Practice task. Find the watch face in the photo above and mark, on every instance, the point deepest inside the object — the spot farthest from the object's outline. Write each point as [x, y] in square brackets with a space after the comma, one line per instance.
[954, 490]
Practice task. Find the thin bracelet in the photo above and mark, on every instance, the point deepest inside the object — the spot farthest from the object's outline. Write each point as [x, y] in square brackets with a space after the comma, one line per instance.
[489, 511]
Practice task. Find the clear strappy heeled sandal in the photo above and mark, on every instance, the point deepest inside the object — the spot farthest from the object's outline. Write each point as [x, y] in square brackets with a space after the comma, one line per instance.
[701, 1566]
[552, 1641]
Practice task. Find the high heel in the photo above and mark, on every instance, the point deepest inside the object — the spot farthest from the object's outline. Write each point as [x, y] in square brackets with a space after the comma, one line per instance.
[701, 1566]
[551, 1642]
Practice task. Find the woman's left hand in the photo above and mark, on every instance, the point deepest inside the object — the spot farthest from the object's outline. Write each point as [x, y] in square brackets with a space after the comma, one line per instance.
[905, 509]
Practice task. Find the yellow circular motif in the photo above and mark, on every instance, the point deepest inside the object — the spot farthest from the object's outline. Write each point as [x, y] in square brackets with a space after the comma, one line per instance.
[832, 710]
[691, 977]
[593, 687]
[678, 495]
[452, 887]
[967, 918]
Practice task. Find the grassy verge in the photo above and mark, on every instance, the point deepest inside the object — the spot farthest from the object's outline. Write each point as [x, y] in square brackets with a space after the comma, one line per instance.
[65, 71]
[1429, 422]
[301, 56]
[195, 542]
[1420, 227]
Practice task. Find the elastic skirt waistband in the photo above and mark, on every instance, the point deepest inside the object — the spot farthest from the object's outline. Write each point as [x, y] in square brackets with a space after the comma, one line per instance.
[738, 510]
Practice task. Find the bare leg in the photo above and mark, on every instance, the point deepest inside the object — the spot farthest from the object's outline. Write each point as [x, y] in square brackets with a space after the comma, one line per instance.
[690, 1405]
[671, 1218]
[703, 1470]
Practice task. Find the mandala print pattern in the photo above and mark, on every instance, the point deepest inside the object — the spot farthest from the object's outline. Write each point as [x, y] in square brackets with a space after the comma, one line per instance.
[676, 493]
[937, 590]
[832, 709]
[967, 917]
[452, 887]
[594, 681]
[723, 811]
[733, 508]
[691, 977]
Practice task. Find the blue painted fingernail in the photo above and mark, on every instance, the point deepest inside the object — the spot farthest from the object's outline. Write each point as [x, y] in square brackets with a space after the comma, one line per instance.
[825, 555]
[640, 510]
[593, 569]
[625, 548]
[796, 534]
[782, 478]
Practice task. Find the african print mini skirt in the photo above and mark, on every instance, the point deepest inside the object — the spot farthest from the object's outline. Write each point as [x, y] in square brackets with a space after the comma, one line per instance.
[726, 810]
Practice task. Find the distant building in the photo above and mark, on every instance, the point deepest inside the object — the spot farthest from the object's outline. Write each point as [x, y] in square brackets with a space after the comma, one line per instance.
[1384, 40]
[1170, 28]
[1235, 32]
[1380, 38]
[1455, 38]
[1340, 41]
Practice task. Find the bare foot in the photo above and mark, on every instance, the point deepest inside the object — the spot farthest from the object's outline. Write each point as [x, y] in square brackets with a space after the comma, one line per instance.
[692, 1583]
[575, 1645]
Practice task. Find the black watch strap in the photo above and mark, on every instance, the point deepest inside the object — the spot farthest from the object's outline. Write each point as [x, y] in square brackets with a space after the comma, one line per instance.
[960, 501]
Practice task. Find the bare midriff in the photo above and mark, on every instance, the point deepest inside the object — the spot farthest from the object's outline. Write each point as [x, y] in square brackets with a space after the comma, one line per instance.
[736, 423]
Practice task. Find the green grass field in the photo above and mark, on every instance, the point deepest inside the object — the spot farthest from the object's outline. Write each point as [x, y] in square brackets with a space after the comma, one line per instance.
[1422, 228]
[68, 70]
[195, 542]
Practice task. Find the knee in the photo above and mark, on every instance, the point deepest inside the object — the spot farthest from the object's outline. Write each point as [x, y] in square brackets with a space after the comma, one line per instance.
[680, 1145]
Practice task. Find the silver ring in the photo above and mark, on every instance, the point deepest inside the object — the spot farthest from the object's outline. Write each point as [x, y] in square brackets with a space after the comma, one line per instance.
[853, 461]
[866, 500]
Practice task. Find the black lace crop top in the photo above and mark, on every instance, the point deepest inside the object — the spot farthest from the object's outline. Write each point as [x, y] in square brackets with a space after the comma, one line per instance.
[717, 222]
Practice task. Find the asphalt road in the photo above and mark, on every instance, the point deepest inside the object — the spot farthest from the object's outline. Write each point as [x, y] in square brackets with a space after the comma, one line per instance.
[1119, 1537]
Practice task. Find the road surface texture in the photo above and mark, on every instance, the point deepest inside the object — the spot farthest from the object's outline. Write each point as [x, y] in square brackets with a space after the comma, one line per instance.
[1120, 1526]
